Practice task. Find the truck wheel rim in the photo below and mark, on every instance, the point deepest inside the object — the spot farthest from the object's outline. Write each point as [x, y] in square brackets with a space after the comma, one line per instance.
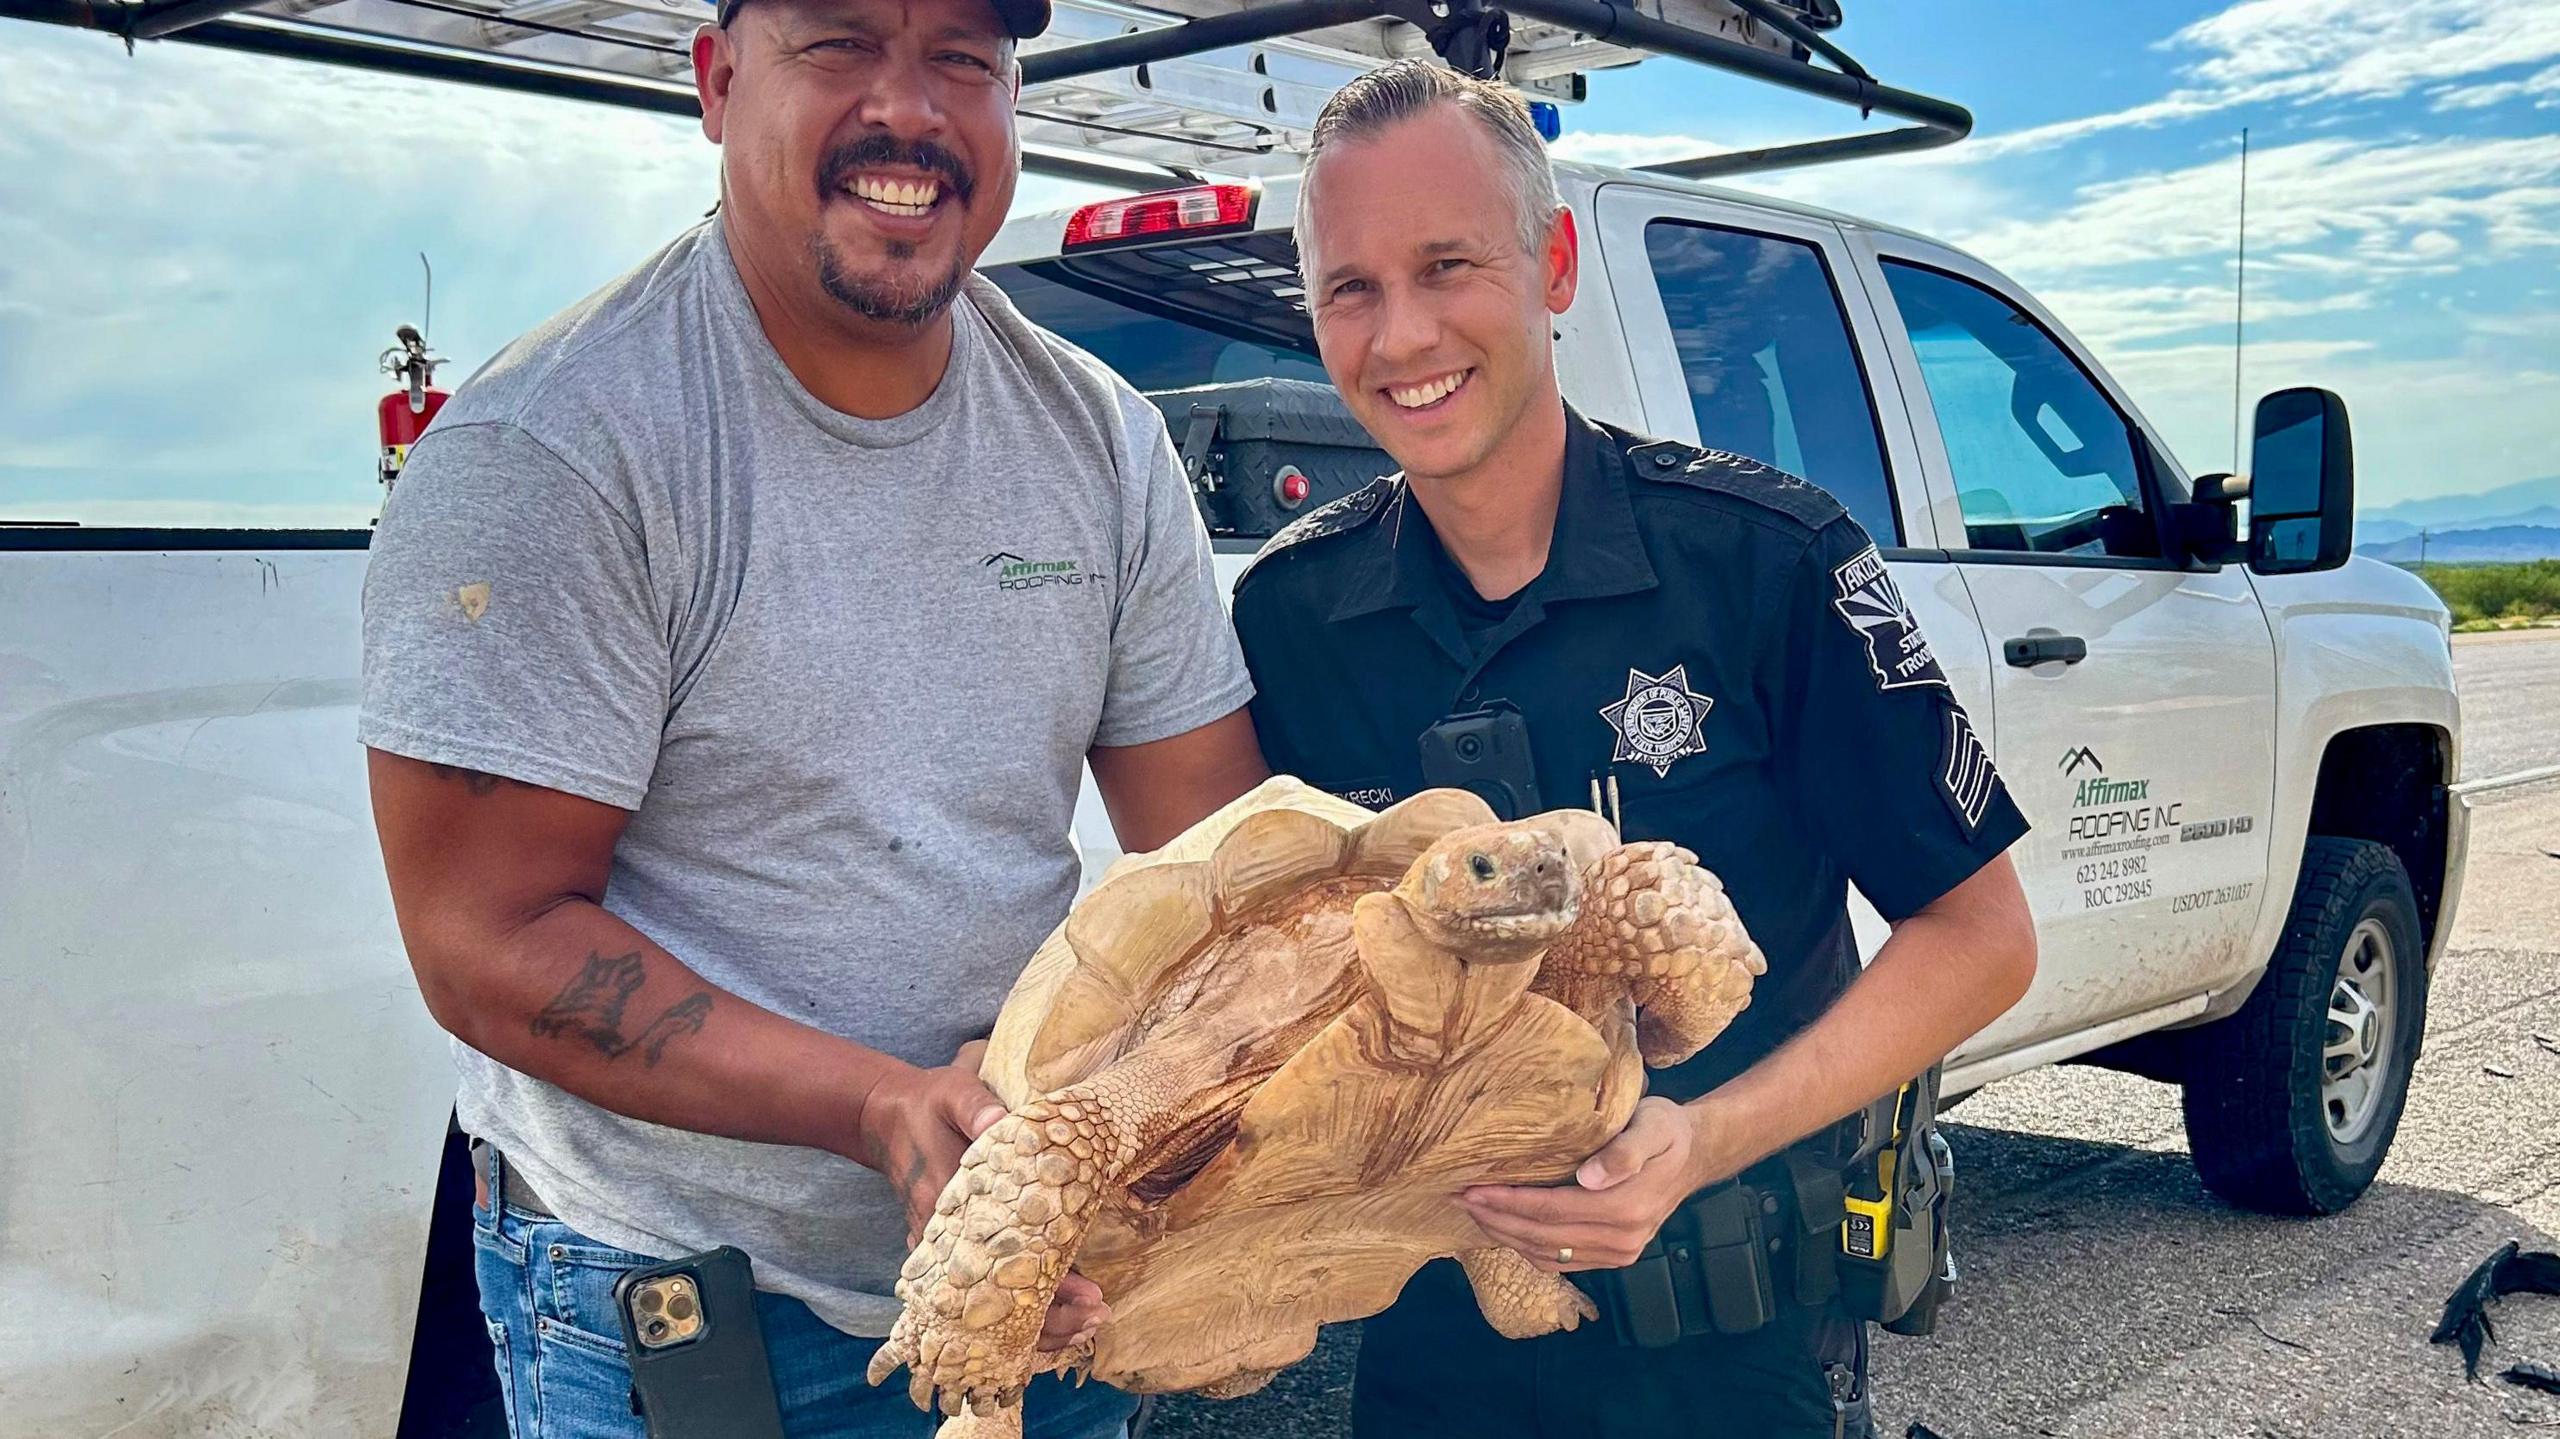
[2357, 1057]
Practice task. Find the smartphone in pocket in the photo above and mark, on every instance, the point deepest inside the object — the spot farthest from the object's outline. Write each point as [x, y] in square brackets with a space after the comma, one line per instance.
[698, 1366]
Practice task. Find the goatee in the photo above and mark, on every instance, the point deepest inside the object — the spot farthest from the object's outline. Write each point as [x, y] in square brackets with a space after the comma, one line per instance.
[883, 300]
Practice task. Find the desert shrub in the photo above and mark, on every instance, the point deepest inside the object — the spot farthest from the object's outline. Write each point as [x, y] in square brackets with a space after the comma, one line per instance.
[2481, 593]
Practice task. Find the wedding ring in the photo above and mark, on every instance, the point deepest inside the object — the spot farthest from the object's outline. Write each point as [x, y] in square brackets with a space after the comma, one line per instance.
[1565, 1255]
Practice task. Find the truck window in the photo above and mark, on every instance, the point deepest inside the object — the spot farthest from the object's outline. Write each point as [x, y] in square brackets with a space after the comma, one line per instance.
[1770, 369]
[2043, 460]
[1170, 317]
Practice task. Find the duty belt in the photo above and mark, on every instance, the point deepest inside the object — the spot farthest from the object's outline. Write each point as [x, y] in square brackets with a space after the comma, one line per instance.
[1729, 1255]
[504, 1187]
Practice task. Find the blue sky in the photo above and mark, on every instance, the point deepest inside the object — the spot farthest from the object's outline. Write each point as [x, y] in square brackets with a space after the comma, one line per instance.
[202, 254]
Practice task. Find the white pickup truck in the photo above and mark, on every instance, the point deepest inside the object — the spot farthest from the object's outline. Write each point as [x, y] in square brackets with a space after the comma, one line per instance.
[226, 1107]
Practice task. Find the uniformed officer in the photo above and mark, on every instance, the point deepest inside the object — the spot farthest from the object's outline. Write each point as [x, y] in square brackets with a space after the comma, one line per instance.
[1714, 649]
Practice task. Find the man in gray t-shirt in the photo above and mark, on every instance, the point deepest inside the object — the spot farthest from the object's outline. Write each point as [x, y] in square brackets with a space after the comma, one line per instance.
[734, 646]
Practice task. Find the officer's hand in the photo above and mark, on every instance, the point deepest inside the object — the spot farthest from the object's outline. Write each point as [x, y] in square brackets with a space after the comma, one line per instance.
[1616, 1203]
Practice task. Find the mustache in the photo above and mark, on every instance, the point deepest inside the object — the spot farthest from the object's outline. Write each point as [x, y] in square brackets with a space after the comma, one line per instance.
[872, 151]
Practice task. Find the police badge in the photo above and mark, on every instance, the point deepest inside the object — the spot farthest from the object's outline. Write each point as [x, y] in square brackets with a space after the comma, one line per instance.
[1659, 721]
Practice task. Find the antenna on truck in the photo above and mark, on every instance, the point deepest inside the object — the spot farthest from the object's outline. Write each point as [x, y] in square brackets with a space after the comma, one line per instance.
[2239, 297]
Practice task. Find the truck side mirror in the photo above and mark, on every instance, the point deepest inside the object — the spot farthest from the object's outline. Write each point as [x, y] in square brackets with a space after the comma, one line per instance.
[2302, 483]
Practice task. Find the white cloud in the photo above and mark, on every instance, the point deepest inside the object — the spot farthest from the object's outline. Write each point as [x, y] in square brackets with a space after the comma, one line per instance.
[2434, 245]
[2113, 315]
[2376, 200]
[1922, 192]
[2302, 51]
[2353, 48]
[2174, 106]
[2481, 97]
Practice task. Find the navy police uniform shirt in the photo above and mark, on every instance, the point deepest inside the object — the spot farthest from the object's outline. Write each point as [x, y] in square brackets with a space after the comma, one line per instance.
[1719, 637]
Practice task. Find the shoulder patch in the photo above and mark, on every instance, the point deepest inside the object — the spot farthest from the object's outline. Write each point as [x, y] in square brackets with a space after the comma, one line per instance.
[1348, 513]
[1871, 604]
[1672, 463]
[1965, 775]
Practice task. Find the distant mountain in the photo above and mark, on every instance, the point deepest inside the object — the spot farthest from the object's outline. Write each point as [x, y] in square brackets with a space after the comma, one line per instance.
[2495, 543]
[2519, 503]
[2371, 532]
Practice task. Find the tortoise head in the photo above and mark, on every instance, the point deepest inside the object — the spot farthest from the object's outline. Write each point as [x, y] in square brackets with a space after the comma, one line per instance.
[1495, 893]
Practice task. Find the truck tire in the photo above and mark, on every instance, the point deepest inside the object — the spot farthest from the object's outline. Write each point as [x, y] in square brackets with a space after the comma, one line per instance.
[2292, 1102]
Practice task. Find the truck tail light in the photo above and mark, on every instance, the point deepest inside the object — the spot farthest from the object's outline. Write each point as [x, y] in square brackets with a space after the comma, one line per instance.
[1193, 210]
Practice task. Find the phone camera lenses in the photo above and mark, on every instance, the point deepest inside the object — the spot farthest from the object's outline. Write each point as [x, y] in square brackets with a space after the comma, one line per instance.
[680, 1307]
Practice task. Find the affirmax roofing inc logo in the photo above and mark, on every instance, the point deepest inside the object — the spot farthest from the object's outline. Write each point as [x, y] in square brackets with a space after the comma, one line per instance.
[2110, 816]
[1013, 572]
[2097, 789]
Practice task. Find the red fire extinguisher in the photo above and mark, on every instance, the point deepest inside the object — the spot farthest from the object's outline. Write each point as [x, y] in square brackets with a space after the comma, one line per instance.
[406, 412]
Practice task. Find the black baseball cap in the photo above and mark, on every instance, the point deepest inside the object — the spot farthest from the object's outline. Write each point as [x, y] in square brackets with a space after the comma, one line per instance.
[1025, 18]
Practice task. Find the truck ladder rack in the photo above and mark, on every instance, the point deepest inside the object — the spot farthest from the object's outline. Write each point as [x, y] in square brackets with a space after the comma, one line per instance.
[1114, 93]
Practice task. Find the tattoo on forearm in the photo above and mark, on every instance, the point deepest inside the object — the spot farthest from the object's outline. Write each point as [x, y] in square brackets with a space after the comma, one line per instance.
[480, 783]
[590, 1010]
[685, 1016]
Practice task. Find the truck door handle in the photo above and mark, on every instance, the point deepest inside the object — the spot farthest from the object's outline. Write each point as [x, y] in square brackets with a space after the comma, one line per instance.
[2029, 651]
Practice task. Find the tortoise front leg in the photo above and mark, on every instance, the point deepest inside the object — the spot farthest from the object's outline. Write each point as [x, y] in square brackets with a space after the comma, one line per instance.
[1008, 1227]
[1658, 929]
[1000, 1241]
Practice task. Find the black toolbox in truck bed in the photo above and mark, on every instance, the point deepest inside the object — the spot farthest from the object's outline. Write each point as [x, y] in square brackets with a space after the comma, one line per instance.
[1240, 442]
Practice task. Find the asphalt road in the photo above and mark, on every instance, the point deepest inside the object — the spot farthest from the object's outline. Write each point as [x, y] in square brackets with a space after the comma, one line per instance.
[2107, 1294]
[2510, 688]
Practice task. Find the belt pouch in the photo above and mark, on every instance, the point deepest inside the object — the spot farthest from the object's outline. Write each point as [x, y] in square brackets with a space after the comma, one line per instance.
[1638, 1302]
[1733, 1258]
[1821, 1208]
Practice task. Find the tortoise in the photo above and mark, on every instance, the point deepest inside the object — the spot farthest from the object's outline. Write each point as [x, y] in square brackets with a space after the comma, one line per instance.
[1250, 1073]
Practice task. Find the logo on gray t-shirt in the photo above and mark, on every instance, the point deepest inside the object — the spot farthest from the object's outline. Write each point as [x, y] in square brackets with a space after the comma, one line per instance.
[1014, 573]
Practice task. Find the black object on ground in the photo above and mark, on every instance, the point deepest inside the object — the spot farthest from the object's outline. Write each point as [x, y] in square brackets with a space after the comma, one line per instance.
[2511, 1270]
[2530, 1375]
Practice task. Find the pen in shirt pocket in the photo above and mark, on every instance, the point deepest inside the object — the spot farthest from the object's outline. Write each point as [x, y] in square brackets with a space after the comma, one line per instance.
[1604, 800]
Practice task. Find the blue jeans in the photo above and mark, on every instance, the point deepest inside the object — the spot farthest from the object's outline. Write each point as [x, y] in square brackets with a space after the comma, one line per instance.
[547, 1294]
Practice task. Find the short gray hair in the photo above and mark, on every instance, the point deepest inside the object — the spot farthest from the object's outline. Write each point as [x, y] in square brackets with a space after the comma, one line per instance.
[1409, 88]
